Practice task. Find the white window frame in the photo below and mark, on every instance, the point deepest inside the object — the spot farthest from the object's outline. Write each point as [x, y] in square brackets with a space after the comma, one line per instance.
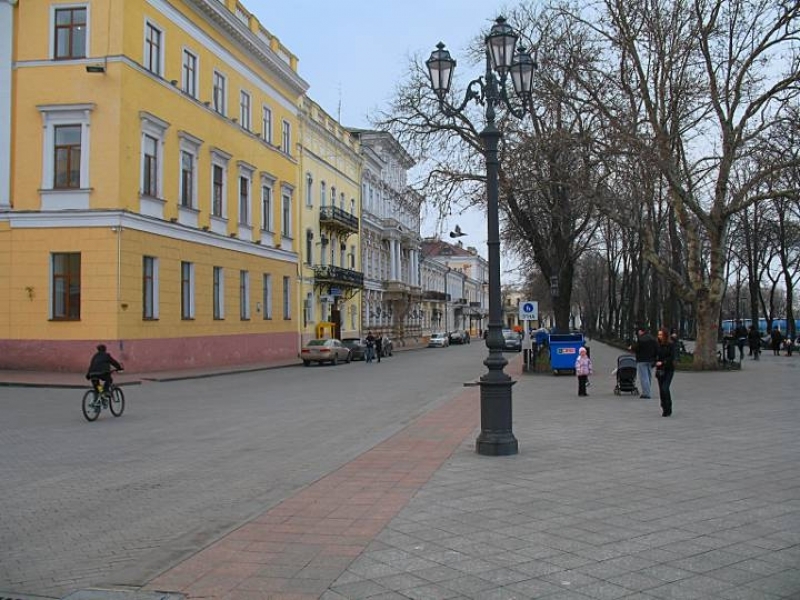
[219, 158]
[266, 123]
[267, 296]
[309, 190]
[322, 199]
[246, 172]
[287, 223]
[52, 30]
[146, 50]
[64, 114]
[187, 311]
[286, 137]
[219, 98]
[155, 128]
[245, 109]
[190, 145]
[244, 295]
[267, 216]
[190, 87]
[155, 290]
[218, 291]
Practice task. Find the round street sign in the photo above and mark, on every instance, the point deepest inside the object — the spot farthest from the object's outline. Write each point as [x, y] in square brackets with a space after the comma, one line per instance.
[529, 310]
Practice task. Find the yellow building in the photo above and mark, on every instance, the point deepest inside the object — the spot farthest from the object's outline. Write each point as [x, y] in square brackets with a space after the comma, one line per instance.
[153, 185]
[331, 277]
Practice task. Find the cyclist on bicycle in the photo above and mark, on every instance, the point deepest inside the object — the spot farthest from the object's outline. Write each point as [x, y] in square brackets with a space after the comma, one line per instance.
[100, 367]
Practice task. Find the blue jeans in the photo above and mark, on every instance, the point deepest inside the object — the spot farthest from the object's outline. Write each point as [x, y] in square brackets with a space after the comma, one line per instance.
[370, 354]
[643, 371]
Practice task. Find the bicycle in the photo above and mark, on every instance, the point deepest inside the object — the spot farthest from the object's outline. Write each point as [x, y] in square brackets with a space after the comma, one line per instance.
[96, 399]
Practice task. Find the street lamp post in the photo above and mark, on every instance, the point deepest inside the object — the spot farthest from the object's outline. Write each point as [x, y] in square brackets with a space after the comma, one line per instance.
[503, 57]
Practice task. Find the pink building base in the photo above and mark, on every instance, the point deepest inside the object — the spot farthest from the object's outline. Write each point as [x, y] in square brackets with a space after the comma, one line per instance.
[148, 355]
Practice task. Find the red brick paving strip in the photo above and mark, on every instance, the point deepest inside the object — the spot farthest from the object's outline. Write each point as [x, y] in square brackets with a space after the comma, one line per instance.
[297, 549]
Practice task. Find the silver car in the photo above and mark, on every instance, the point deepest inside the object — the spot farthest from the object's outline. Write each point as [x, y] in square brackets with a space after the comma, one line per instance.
[324, 350]
[439, 340]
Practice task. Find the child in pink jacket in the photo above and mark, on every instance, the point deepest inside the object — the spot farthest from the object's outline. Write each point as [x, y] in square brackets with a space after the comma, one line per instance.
[583, 368]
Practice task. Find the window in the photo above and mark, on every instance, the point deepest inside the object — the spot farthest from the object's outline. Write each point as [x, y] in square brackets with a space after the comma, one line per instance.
[322, 199]
[309, 246]
[217, 190]
[153, 130]
[267, 296]
[286, 137]
[219, 178]
[352, 262]
[244, 110]
[333, 196]
[266, 204]
[152, 48]
[287, 296]
[342, 255]
[66, 286]
[219, 294]
[309, 186]
[150, 166]
[341, 200]
[352, 206]
[187, 177]
[244, 295]
[189, 148]
[149, 288]
[219, 92]
[244, 200]
[266, 124]
[189, 83]
[67, 157]
[286, 213]
[69, 36]
[187, 290]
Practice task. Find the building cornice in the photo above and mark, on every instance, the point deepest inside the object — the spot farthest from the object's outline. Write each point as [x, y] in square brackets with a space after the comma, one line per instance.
[219, 14]
[126, 220]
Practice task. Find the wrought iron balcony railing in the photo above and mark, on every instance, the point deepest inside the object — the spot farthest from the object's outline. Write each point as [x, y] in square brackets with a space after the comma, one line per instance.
[338, 276]
[336, 218]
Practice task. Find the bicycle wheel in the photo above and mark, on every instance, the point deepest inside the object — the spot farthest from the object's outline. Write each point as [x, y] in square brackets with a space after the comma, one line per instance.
[91, 405]
[117, 402]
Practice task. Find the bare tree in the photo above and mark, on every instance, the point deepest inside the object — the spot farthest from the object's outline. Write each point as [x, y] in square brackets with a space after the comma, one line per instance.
[692, 87]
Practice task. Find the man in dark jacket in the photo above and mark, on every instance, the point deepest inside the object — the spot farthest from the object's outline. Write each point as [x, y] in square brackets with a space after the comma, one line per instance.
[100, 367]
[740, 334]
[646, 349]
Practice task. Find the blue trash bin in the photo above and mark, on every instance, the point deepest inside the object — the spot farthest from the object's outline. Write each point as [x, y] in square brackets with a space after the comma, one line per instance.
[564, 351]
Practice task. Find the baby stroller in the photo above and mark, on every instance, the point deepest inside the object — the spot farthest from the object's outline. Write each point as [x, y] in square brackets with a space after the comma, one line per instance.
[626, 375]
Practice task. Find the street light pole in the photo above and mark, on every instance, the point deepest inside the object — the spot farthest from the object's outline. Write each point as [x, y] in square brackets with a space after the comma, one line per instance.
[496, 437]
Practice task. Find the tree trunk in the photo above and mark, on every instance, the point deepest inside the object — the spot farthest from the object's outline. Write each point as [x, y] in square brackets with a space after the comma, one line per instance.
[705, 352]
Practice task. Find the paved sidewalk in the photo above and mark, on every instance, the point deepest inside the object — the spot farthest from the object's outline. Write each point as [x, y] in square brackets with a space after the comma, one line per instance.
[606, 500]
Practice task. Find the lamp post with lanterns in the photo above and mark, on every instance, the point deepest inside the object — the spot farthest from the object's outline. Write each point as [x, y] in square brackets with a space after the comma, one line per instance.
[503, 58]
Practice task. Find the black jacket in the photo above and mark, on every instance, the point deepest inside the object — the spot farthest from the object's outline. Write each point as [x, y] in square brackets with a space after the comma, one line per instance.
[666, 356]
[102, 363]
[646, 348]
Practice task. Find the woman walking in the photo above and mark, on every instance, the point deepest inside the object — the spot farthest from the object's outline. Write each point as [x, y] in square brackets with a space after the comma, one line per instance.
[665, 369]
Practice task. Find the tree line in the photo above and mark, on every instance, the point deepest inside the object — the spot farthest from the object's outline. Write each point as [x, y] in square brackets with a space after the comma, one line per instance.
[658, 172]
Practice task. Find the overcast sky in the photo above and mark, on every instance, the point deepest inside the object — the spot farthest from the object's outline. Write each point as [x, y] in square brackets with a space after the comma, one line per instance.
[352, 53]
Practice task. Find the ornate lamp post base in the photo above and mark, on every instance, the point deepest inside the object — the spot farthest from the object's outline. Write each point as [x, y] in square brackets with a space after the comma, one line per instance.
[496, 437]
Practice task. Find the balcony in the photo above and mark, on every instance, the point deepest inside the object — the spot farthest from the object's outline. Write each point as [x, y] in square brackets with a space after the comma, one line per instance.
[437, 296]
[338, 277]
[335, 219]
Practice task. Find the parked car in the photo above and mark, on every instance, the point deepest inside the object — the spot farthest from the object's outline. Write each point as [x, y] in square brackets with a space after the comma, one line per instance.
[459, 336]
[324, 350]
[357, 346]
[439, 340]
[512, 340]
[387, 347]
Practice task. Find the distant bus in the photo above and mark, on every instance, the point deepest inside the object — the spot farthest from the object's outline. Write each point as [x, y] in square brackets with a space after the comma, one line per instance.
[728, 325]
